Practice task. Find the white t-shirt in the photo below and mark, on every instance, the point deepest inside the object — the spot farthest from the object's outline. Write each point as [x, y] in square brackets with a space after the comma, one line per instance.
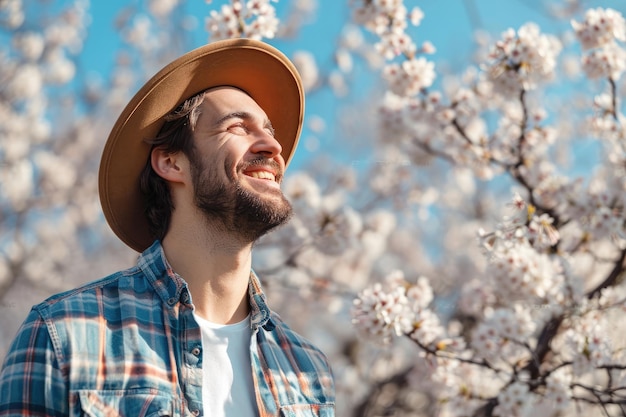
[227, 386]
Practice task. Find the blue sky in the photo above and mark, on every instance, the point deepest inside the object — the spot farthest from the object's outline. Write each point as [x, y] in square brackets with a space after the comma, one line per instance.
[448, 24]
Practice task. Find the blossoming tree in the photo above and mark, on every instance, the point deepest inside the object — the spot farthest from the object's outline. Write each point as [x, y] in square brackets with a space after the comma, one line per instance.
[534, 330]
[460, 268]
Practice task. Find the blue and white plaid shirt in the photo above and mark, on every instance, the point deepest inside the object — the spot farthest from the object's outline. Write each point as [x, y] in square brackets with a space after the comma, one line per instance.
[128, 345]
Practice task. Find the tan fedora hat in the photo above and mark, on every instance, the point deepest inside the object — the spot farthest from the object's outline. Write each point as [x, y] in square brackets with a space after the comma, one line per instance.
[253, 66]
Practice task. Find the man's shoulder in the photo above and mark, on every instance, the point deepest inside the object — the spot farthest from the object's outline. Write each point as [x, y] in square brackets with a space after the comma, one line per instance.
[284, 336]
[286, 331]
[81, 296]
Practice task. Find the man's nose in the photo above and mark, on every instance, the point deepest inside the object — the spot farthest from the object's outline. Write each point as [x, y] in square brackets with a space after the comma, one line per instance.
[266, 145]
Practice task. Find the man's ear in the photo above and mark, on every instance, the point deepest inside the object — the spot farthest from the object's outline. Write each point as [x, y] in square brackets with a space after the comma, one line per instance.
[170, 166]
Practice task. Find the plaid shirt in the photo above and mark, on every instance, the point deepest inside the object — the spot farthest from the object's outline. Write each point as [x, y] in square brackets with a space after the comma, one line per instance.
[128, 345]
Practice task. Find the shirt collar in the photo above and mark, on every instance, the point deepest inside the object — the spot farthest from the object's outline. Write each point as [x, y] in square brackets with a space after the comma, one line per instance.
[260, 314]
[165, 282]
[169, 286]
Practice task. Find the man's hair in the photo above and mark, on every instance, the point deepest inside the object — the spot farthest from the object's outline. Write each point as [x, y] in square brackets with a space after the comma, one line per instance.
[174, 136]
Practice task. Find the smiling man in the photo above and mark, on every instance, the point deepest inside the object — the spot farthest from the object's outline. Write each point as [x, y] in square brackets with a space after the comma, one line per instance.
[190, 177]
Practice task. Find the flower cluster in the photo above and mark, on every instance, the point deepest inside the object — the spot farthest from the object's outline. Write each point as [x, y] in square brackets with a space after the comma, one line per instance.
[515, 401]
[254, 19]
[520, 262]
[599, 34]
[11, 14]
[588, 343]
[381, 313]
[399, 308]
[458, 128]
[522, 60]
[324, 221]
[503, 334]
[600, 28]
[389, 20]
[50, 136]
[522, 271]
[37, 61]
[162, 8]
[537, 259]
[409, 77]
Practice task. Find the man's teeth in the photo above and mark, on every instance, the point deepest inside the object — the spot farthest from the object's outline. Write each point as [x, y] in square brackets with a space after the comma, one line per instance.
[264, 175]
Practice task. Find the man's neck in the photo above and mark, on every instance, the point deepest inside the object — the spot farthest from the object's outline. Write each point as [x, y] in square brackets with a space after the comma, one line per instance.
[216, 266]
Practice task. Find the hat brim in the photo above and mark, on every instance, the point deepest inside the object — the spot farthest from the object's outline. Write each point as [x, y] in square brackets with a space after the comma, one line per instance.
[252, 66]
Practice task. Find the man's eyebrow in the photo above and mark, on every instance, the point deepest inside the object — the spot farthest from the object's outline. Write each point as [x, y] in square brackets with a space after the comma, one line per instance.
[234, 115]
[244, 116]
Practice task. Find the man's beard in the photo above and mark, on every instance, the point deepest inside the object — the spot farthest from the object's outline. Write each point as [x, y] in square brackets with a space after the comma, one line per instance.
[241, 211]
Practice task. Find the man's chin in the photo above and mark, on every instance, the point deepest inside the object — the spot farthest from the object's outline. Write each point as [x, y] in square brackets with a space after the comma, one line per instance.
[259, 212]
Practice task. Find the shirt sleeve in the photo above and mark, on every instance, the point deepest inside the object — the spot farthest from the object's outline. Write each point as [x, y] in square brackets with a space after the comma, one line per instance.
[31, 380]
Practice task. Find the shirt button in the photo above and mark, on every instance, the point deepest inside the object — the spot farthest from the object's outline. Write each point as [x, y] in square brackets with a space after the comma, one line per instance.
[195, 352]
[171, 301]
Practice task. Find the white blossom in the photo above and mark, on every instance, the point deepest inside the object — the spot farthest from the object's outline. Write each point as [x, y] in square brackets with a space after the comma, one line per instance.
[542, 232]
[522, 60]
[30, 44]
[303, 193]
[162, 8]
[515, 401]
[416, 16]
[600, 27]
[607, 62]
[344, 60]
[337, 230]
[588, 342]
[503, 332]
[26, 83]
[410, 77]
[382, 314]
[59, 69]
[307, 67]
[600, 35]
[55, 171]
[389, 19]
[11, 14]
[558, 394]
[16, 183]
[254, 19]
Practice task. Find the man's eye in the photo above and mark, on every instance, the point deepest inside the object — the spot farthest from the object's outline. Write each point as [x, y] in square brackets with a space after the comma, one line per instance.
[238, 128]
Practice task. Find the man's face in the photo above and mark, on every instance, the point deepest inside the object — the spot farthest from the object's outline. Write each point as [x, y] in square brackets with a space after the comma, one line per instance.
[237, 167]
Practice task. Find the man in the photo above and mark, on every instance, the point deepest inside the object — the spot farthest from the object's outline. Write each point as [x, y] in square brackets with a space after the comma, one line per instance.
[190, 176]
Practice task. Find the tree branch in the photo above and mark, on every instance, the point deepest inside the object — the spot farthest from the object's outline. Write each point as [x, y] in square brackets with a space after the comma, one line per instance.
[612, 278]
